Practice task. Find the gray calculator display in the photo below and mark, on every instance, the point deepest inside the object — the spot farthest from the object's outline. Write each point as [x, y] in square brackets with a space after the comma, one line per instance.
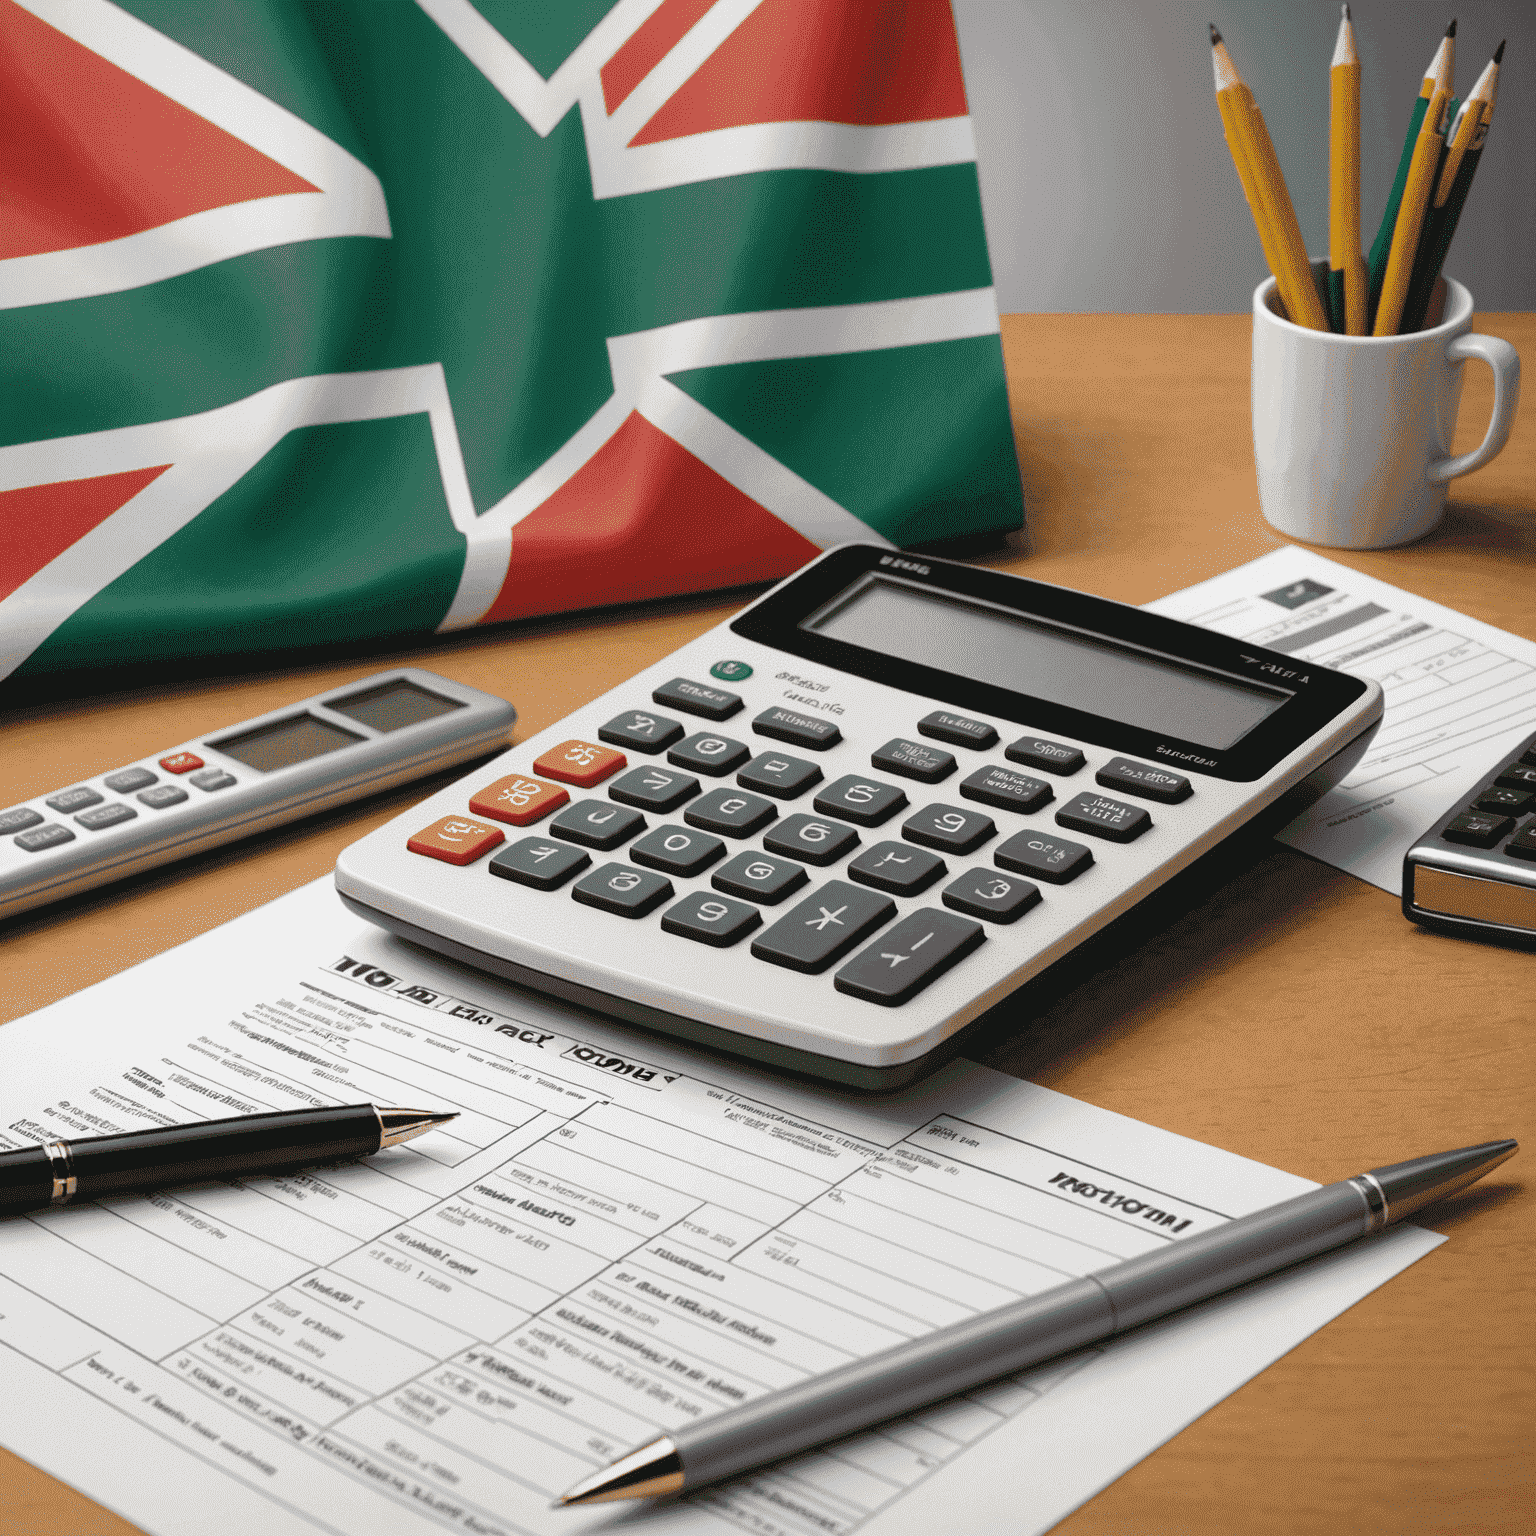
[284, 743]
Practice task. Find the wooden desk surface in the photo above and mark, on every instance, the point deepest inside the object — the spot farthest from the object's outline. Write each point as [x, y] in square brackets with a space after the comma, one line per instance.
[1296, 1018]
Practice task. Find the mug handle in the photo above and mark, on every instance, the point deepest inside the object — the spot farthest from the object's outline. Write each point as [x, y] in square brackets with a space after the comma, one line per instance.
[1505, 362]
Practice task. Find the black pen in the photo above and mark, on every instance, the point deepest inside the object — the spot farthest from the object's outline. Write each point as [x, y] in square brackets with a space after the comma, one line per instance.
[247, 1146]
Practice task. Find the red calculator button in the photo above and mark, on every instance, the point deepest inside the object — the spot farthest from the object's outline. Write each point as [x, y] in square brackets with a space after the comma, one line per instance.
[580, 763]
[455, 840]
[181, 762]
[518, 800]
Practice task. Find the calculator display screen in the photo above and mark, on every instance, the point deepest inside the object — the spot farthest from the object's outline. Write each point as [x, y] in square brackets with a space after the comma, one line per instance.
[284, 743]
[393, 705]
[995, 645]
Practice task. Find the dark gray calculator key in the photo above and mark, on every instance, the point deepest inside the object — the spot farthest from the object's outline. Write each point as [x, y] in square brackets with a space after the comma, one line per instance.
[706, 753]
[161, 796]
[1528, 757]
[1516, 776]
[640, 732]
[211, 779]
[1052, 756]
[1523, 845]
[1144, 781]
[1505, 802]
[538, 862]
[106, 816]
[797, 729]
[759, 877]
[1477, 829]
[1100, 816]
[780, 775]
[731, 812]
[596, 824]
[73, 799]
[126, 780]
[714, 920]
[50, 836]
[697, 699]
[1006, 790]
[867, 802]
[19, 819]
[1045, 857]
[654, 789]
[898, 868]
[913, 760]
[623, 891]
[958, 730]
[985, 893]
[811, 839]
[677, 851]
[820, 930]
[949, 829]
[906, 958]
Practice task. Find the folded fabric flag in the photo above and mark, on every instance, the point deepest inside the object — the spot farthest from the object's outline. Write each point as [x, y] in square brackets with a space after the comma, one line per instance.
[328, 321]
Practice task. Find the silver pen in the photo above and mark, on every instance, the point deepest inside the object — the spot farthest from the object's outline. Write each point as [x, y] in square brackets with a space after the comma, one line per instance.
[1066, 1317]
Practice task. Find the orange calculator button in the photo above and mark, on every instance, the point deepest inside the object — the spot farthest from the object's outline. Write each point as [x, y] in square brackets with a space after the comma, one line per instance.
[580, 763]
[455, 840]
[518, 800]
[181, 762]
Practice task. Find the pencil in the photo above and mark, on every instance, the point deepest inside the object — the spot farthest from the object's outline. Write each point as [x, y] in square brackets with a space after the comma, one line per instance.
[1417, 191]
[1346, 266]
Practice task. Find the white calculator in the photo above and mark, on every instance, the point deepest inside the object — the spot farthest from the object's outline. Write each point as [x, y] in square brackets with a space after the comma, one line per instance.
[830, 833]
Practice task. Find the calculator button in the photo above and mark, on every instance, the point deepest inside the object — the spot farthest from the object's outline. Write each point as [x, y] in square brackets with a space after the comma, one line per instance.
[1523, 846]
[1052, 756]
[731, 812]
[50, 836]
[73, 799]
[1007, 790]
[623, 891]
[1103, 817]
[731, 671]
[823, 927]
[106, 816]
[864, 801]
[538, 862]
[579, 763]
[698, 699]
[912, 760]
[455, 840]
[181, 762]
[949, 829]
[211, 779]
[129, 779]
[714, 755]
[518, 801]
[797, 729]
[675, 851]
[811, 839]
[898, 868]
[901, 962]
[1529, 755]
[597, 824]
[985, 893]
[759, 877]
[1505, 802]
[1478, 829]
[779, 774]
[958, 731]
[1516, 776]
[713, 920]
[1047, 858]
[1144, 781]
[19, 819]
[654, 789]
[640, 732]
[162, 795]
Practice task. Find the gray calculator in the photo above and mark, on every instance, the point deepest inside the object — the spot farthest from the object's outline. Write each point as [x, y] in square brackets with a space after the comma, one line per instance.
[834, 830]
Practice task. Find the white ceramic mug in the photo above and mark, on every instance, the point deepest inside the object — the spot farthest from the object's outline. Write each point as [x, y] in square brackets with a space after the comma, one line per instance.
[1352, 434]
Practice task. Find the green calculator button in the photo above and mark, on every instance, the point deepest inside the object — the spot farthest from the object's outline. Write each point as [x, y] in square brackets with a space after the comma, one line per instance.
[730, 671]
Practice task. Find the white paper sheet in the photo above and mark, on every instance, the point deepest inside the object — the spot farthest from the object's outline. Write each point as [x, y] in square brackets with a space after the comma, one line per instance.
[616, 1235]
[1460, 694]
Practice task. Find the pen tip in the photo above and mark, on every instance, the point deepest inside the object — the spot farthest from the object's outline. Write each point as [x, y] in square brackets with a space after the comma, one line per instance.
[1498, 53]
[1450, 31]
[1215, 35]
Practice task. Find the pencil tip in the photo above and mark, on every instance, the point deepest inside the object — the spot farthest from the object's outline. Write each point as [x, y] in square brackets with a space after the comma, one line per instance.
[1498, 53]
[1450, 31]
[1215, 35]
[1346, 13]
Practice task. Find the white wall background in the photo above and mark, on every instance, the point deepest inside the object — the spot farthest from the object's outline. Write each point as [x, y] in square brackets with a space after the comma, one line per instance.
[1105, 178]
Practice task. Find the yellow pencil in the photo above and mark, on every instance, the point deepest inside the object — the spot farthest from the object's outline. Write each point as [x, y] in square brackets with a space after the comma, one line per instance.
[1422, 170]
[1476, 112]
[1346, 263]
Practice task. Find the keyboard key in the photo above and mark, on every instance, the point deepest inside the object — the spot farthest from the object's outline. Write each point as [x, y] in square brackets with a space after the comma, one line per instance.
[714, 920]
[985, 893]
[456, 840]
[797, 729]
[126, 780]
[654, 789]
[106, 816]
[580, 763]
[597, 824]
[73, 799]
[181, 762]
[538, 862]
[958, 731]
[917, 951]
[518, 800]
[211, 779]
[714, 755]
[912, 760]
[19, 819]
[898, 868]
[1523, 845]
[697, 699]
[867, 802]
[823, 928]
[50, 836]
[1102, 817]
[161, 796]
[731, 812]
[623, 891]
[1052, 756]
[949, 829]
[1006, 790]
[780, 775]
[639, 731]
[811, 839]
[1046, 858]
[1516, 776]
[759, 877]
[1478, 829]
[1505, 802]
[1144, 781]
[676, 851]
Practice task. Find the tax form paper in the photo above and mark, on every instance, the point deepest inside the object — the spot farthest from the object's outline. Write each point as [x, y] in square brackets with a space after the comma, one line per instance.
[616, 1236]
